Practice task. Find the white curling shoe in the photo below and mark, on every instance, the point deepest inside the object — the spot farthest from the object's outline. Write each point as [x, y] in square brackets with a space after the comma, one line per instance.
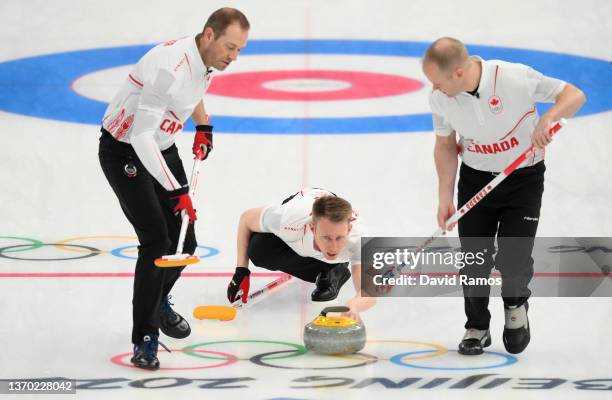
[474, 341]
[516, 331]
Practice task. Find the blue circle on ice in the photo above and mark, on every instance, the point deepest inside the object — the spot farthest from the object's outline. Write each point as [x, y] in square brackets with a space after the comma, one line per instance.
[507, 359]
[40, 86]
[119, 252]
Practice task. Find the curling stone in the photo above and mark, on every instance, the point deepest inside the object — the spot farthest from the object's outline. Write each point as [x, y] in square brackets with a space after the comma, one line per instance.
[334, 335]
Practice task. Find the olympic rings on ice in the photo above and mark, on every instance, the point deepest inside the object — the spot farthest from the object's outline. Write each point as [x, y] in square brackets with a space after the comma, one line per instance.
[298, 348]
[92, 252]
[405, 359]
[82, 251]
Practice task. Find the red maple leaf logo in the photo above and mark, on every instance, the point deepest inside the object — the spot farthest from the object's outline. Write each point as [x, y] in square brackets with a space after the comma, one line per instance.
[494, 102]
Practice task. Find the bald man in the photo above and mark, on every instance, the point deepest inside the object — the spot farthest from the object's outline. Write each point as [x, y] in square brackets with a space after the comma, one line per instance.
[484, 111]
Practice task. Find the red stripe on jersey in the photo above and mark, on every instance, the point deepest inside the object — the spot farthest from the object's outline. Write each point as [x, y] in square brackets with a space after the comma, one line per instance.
[518, 123]
[495, 81]
[157, 153]
[189, 65]
[134, 80]
[174, 115]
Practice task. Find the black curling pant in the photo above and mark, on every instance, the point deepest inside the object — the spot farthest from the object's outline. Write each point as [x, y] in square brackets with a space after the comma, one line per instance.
[146, 205]
[511, 212]
[266, 250]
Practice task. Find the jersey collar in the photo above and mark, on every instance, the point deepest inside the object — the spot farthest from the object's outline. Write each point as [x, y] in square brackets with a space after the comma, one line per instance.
[200, 69]
[484, 87]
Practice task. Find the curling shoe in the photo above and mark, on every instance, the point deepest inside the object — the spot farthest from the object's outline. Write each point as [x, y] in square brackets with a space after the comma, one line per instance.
[145, 353]
[516, 331]
[329, 281]
[474, 341]
[172, 323]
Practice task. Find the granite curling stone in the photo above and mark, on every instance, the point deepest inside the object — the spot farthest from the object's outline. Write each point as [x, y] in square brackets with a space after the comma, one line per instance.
[335, 334]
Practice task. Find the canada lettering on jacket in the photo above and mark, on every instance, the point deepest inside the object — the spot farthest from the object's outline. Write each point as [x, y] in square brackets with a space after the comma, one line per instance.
[494, 148]
[170, 127]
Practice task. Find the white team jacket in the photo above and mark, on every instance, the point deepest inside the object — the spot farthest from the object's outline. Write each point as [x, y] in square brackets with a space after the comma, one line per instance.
[156, 99]
[496, 127]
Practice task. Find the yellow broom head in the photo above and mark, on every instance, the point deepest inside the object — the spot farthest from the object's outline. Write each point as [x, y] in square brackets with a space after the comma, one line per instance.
[223, 313]
[176, 260]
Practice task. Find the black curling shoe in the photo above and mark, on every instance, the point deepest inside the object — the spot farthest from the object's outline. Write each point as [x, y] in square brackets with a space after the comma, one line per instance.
[145, 353]
[474, 341]
[172, 323]
[329, 282]
[517, 334]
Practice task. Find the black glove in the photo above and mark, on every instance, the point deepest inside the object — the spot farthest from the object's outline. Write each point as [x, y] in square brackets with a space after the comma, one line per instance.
[240, 282]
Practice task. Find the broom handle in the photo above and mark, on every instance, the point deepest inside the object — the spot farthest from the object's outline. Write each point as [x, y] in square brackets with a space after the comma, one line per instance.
[482, 193]
[193, 182]
[258, 295]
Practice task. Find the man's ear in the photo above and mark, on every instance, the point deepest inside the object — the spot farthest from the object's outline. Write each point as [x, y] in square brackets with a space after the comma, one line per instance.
[209, 34]
[459, 72]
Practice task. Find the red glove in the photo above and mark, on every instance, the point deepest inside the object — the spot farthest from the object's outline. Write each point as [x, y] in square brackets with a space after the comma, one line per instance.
[183, 202]
[203, 140]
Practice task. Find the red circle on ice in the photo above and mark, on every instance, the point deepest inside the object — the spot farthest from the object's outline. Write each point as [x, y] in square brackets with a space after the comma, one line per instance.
[312, 85]
[230, 359]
